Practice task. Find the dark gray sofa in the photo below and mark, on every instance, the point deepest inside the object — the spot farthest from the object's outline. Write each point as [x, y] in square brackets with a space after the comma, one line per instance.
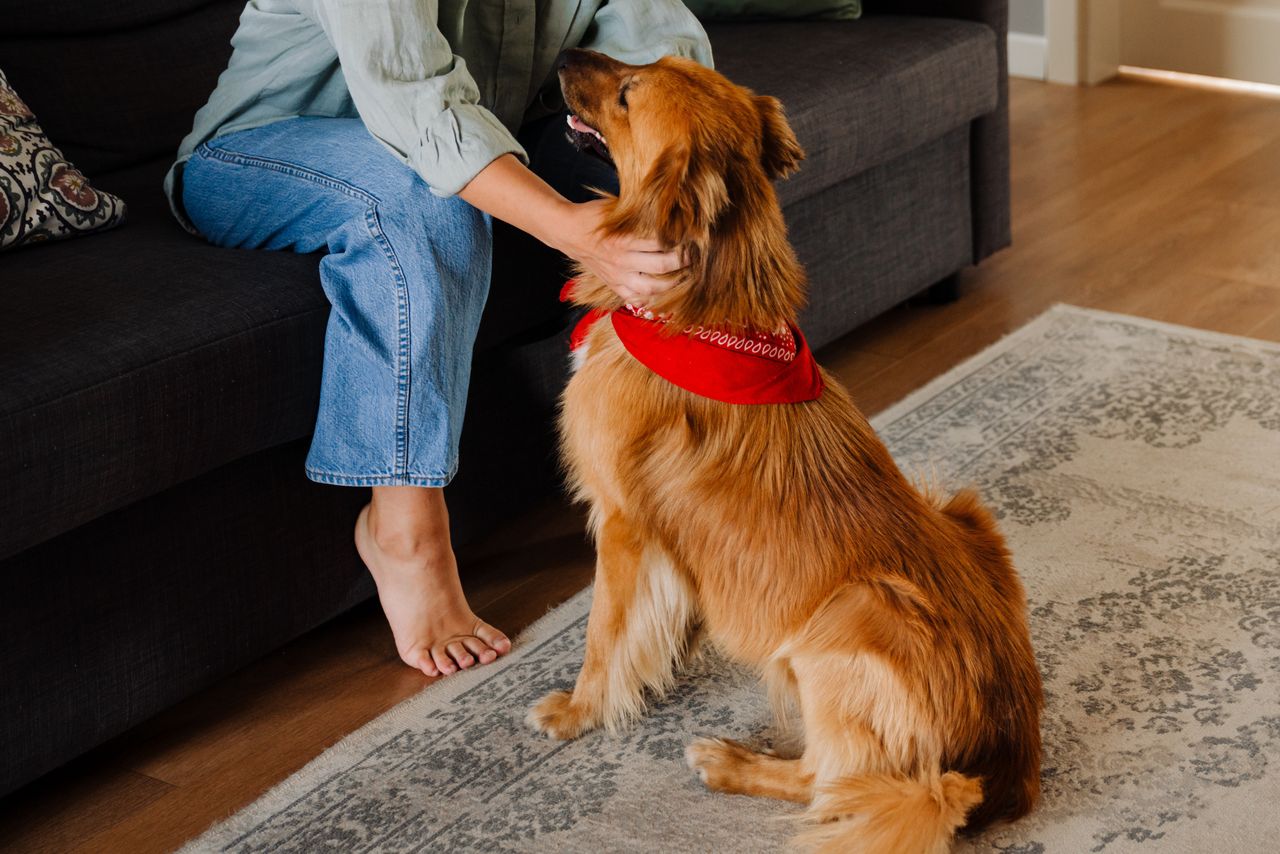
[156, 394]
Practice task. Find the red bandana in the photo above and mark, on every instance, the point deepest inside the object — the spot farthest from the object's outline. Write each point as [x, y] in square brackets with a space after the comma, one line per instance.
[752, 367]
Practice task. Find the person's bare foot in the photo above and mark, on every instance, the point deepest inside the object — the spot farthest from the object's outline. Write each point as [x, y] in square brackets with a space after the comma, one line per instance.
[435, 629]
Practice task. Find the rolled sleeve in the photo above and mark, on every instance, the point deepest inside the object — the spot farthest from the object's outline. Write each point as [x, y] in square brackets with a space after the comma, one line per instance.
[642, 31]
[412, 92]
[456, 146]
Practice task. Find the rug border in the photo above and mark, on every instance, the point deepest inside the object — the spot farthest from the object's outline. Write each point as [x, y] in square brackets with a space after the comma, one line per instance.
[336, 757]
[1003, 343]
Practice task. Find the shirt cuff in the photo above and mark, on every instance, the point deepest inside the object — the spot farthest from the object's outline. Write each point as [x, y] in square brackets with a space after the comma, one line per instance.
[458, 144]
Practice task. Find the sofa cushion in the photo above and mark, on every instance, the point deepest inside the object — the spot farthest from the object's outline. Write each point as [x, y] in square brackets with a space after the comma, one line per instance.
[861, 93]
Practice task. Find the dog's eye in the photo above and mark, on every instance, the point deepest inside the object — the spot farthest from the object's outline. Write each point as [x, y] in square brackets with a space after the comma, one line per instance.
[622, 97]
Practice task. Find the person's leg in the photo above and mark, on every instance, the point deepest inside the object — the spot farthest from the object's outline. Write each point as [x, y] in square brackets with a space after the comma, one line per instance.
[407, 274]
[403, 537]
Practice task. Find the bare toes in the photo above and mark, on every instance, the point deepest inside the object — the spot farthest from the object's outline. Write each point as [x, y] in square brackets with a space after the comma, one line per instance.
[480, 650]
[443, 662]
[420, 659]
[459, 654]
[495, 639]
[427, 665]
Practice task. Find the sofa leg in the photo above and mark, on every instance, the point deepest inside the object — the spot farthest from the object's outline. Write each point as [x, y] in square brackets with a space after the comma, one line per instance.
[944, 291]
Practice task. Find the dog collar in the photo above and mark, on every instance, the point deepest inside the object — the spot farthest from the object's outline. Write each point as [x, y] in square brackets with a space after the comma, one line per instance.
[746, 367]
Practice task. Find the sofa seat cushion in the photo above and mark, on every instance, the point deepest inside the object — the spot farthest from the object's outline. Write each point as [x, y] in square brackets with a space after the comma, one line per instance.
[861, 93]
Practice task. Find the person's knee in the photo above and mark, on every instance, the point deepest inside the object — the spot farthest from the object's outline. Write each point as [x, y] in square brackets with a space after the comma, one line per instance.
[445, 232]
[419, 209]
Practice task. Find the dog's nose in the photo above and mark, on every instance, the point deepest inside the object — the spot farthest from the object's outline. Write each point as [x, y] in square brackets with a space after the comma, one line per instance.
[569, 58]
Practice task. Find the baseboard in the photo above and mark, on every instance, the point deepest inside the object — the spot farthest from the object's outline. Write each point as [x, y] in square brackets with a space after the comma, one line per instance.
[1028, 55]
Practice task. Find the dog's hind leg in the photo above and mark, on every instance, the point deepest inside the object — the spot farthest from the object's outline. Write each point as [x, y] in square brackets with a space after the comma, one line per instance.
[640, 625]
[726, 766]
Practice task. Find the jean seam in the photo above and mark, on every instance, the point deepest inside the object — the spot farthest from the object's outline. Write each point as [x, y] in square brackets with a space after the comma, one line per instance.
[323, 475]
[325, 471]
[403, 362]
[239, 159]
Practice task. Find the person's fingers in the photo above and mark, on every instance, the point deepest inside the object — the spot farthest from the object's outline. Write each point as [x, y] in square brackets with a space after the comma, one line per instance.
[634, 286]
[644, 286]
[639, 244]
[656, 263]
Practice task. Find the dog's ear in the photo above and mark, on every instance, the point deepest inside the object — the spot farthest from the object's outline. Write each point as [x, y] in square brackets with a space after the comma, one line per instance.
[780, 150]
[684, 195]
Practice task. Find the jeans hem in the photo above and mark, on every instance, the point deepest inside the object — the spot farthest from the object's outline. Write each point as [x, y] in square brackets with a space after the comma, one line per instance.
[333, 479]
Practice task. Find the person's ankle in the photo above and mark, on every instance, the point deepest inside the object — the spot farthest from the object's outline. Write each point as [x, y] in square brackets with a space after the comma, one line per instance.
[402, 543]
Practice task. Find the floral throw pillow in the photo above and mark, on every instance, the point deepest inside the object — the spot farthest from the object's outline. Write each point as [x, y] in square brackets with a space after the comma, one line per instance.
[42, 196]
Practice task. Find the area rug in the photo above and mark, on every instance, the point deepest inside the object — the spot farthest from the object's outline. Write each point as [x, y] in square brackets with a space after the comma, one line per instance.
[1136, 470]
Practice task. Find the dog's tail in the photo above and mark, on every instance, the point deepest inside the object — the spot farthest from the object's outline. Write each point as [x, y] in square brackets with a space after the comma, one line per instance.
[884, 814]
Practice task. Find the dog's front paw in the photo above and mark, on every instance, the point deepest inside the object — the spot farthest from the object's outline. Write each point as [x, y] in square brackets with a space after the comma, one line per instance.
[558, 716]
[717, 761]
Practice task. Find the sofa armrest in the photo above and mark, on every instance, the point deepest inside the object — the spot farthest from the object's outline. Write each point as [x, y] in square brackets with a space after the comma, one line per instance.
[989, 134]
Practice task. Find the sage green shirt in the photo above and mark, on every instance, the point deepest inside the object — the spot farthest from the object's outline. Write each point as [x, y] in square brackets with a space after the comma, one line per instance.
[443, 84]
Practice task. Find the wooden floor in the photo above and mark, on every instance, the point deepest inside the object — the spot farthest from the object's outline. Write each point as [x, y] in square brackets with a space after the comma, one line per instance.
[1131, 196]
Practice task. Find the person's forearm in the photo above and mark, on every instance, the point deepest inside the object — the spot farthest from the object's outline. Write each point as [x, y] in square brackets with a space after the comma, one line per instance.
[505, 189]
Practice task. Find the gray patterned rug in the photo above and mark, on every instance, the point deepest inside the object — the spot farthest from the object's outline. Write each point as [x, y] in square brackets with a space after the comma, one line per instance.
[1136, 468]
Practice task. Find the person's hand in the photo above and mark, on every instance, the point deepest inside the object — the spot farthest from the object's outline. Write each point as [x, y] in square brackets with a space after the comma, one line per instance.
[635, 268]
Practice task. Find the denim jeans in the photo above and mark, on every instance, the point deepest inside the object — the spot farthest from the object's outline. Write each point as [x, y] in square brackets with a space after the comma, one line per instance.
[406, 272]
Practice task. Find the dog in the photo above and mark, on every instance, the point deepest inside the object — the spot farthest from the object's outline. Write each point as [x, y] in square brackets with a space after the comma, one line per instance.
[889, 620]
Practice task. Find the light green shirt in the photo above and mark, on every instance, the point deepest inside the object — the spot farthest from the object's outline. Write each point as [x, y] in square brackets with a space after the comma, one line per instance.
[443, 84]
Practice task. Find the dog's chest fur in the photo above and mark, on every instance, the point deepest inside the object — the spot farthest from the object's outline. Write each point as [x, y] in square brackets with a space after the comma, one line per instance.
[630, 448]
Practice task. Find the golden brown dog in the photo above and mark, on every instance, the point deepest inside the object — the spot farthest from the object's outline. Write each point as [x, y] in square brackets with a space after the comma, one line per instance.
[893, 621]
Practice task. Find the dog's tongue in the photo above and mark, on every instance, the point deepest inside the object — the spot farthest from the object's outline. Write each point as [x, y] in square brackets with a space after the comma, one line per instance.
[582, 127]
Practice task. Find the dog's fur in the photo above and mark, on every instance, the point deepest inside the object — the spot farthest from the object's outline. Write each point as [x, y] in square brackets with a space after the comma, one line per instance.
[892, 620]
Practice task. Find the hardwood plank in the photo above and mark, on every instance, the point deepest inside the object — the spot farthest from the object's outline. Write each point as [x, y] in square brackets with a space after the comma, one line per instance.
[1206, 302]
[1268, 327]
[35, 820]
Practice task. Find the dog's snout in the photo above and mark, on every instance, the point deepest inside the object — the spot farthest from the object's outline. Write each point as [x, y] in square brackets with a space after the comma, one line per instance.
[578, 59]
[569, 58]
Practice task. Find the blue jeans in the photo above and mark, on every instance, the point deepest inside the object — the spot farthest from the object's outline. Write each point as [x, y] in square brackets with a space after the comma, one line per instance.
[406, 272]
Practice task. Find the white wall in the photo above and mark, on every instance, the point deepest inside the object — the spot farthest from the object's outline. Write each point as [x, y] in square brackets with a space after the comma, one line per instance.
[1026, 16]
[1028, 48]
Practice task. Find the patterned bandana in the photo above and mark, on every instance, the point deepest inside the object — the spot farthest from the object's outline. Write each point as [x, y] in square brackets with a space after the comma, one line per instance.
[746, 367]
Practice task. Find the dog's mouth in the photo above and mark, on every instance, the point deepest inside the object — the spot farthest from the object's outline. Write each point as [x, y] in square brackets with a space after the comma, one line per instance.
[586, 138]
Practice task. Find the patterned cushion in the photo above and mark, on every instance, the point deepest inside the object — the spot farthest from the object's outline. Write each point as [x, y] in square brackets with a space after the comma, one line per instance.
[42, 196]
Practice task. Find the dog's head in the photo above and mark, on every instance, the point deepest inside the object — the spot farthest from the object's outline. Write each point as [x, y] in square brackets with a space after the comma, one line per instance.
[680, 135]
[695, 155]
